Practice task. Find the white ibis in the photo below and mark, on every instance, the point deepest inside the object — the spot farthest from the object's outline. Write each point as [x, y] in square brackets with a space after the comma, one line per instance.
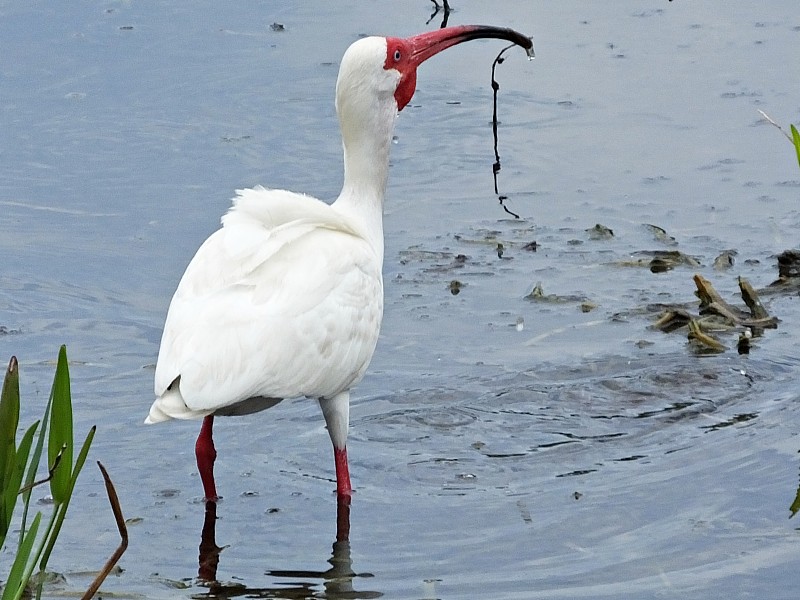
[286, 299]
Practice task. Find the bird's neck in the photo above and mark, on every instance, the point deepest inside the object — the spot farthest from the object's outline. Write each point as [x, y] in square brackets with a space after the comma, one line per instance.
[366, 168]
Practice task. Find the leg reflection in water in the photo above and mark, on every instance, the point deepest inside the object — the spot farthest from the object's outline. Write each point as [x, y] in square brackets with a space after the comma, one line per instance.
[209, 551]
[337, 581]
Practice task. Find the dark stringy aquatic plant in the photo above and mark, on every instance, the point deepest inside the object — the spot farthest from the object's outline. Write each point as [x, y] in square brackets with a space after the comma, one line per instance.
[496, 166]
[445, 8]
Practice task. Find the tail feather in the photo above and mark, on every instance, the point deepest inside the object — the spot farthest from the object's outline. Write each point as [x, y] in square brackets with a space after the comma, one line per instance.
[170, 405]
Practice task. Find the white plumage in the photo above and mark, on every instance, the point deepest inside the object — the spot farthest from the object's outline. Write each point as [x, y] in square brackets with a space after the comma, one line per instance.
[286, 299]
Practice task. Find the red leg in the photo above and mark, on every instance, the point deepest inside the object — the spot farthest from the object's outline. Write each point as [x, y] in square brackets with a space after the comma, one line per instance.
[206, 455]
[342, 472]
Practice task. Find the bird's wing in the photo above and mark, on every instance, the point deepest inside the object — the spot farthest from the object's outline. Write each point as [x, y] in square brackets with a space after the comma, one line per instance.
[285, 300]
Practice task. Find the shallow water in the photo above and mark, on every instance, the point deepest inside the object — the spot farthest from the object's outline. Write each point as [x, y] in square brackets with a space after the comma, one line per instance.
[500, 447]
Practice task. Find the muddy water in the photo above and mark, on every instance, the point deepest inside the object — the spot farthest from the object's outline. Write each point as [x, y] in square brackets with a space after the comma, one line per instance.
[501, 447]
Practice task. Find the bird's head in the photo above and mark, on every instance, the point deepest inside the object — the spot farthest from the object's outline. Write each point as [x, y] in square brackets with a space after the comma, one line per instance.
[404, 55]
[387, 67]
[377, 78]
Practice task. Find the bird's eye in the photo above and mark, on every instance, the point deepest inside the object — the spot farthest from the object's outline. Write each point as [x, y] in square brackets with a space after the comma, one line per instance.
[396, 55]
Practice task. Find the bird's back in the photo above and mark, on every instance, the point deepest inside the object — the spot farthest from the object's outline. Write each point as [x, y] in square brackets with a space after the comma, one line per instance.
[284, 300]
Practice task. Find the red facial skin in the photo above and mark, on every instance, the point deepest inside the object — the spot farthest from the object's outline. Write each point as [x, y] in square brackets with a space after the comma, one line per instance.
[398, 56]
[406, 54]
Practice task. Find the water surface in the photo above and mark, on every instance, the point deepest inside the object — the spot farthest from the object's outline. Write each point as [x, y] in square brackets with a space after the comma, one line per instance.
[500, 447]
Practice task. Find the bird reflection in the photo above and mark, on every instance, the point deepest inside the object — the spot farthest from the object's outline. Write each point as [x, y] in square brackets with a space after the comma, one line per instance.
[337, 581]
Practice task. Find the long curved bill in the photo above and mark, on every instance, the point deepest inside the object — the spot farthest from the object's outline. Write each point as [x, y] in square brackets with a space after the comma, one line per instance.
[425, 45]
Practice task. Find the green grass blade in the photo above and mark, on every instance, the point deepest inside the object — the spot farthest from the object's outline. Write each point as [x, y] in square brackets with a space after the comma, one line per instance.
[796, 141]
[61, 511]
[47, 540]
[9, 418]
[33, 464]
[61, 430]
[14, 483]
[23, 451]
[15, 584]
[9, 421]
